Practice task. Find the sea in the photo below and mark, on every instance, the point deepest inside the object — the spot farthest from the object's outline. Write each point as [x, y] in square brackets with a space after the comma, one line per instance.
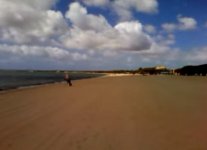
[12, 79]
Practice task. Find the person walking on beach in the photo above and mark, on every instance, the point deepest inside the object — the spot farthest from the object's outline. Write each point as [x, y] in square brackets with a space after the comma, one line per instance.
[68, 79]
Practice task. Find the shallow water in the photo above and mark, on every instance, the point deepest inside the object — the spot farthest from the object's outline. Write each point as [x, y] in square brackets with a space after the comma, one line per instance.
[10, 79]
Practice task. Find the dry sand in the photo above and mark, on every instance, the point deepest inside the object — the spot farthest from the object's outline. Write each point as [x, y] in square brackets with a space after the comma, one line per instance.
[113, 113]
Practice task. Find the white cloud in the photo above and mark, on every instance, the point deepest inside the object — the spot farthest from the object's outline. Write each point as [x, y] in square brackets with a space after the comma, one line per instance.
[26, 31]
[197, 55]
[126, 36]
[150, 29]
[149, 6]
[159, 53]
[27, 21]
[36, 4]
[163, 54]
[123, 7]
[169, 27]
[132, 36]
[80, 18]
[96, 2]
[167, 40]
[93, 32]
[184, 23]
[187, 23]
[40, 51]
[29, 30]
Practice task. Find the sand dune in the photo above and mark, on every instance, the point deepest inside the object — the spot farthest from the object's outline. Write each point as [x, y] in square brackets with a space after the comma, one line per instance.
[113, 113]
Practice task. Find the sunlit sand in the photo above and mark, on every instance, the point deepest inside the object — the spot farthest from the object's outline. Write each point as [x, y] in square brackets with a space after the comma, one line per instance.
[113, 113]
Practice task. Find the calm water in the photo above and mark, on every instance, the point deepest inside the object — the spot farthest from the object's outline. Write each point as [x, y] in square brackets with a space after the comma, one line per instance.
[14, 79]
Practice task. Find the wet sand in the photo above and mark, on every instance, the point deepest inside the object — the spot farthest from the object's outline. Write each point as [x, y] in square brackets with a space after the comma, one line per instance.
[113, 113]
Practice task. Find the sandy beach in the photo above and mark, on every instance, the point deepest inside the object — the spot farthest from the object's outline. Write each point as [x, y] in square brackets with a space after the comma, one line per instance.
[112, 113]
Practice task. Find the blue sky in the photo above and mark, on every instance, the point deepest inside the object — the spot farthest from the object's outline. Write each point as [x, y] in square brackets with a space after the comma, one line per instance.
[102, 34]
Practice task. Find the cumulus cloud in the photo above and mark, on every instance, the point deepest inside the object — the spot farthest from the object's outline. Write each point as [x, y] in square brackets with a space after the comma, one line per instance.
[95, 33]
[169, 27]
[96, 2]
[132, 36]
[28, 21]
[126, 36]
[150, 29]
[30, 32]
[187, 23]
[36, 4]
[167, 40]
[80, 18]
[184, 23]
[40, 51]
[123, 8]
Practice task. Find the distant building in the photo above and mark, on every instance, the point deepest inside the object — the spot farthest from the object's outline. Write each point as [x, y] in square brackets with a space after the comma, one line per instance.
[161, 67]
[155, 70]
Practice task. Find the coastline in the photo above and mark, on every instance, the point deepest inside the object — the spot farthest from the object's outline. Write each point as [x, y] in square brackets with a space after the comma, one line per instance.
[105, 75]
[3, 90]
[28, 87]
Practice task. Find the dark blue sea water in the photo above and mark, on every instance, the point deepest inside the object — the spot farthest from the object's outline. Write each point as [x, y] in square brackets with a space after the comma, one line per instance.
[10, 79]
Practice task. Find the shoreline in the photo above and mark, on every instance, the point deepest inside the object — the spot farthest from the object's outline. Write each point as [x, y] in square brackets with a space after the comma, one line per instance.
[42, 84]
[103, 76]
[34, 86]
[28, 87]
[60, 82]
